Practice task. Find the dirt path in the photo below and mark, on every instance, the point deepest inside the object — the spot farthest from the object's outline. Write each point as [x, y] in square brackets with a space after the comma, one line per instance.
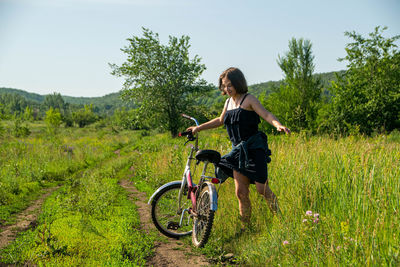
[24, 220]
[171, 253]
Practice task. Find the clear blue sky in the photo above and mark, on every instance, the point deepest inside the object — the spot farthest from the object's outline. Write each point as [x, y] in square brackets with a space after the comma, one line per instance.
[65, 46]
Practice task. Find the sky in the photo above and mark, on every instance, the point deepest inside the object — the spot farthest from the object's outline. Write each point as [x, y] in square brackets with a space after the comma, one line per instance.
[65, 46]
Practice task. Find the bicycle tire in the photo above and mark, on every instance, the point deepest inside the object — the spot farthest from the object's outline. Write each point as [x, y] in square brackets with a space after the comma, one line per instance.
[203, 222]
[165, 215]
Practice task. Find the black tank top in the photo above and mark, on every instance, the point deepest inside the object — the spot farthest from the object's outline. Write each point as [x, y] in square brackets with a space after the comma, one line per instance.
[241, 123]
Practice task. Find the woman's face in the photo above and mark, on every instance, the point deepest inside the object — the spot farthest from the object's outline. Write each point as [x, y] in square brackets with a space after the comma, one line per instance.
[228, 87]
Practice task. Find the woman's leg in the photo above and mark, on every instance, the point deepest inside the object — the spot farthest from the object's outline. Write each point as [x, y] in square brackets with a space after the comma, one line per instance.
[265, 191]
[242, 184]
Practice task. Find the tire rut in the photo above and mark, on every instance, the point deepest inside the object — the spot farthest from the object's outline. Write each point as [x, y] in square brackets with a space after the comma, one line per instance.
[170, 253]
[24, 220]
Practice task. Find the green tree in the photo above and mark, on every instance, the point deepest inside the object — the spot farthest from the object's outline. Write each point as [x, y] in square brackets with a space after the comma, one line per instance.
[128, 119]
[3, 111]
[28, 114]
[367, 97]
[297, 99]
[53, 119]
[13, 104]
[162, 79]
[55, 101]
[20, 130]
[84, 116]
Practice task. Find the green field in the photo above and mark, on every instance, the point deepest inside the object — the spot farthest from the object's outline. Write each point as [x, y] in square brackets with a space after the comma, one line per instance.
[352, 183]
[89, 219]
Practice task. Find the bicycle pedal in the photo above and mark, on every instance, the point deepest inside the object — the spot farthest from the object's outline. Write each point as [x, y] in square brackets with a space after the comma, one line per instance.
[172, 225]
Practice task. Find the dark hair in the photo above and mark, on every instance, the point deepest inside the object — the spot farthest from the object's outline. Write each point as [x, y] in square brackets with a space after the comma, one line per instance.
[236, 77]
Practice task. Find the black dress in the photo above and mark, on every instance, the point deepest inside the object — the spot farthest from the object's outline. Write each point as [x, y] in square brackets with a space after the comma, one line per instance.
[241, 124]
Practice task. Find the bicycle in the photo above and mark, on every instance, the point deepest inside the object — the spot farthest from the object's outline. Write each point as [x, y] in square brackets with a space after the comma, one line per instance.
[181, 208]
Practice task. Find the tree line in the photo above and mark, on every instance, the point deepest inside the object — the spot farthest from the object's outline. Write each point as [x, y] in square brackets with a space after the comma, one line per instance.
[364, 98]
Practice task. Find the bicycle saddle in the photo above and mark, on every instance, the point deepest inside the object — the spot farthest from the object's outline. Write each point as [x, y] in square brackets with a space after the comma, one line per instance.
[208, 155]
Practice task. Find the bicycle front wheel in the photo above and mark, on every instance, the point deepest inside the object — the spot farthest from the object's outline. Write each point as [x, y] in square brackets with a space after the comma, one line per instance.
[202, 223]
[166, 214]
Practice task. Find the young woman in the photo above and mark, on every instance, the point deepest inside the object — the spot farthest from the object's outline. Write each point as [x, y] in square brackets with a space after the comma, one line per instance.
[247, 162]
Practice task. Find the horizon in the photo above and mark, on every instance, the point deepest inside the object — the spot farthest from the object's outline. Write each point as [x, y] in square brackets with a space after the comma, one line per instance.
[65, 46]
[3, 87]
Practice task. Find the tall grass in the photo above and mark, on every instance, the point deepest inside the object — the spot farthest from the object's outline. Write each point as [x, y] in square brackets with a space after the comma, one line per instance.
[352, 183]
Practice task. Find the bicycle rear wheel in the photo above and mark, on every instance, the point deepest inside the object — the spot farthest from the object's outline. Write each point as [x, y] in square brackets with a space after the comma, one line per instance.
[166, 215]
[202, 223]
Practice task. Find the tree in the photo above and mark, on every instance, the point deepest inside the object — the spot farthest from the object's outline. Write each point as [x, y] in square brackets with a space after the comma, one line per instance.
[56, 102]
[367, 97]
[13, 104]
[53, 120]
[161, 78]
[84, 116]
[20, 130]
[297, 99]
[28, 114]
[128, 119]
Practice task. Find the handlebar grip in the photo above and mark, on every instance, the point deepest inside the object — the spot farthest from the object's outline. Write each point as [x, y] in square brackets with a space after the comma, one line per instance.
[185, 133]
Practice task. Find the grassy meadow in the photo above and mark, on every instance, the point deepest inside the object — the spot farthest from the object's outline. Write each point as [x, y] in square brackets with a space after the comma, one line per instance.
[89, 219]
[350, 184]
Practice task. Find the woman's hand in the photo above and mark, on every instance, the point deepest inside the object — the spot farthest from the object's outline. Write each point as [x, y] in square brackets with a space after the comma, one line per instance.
[193, 129]
[281, 128]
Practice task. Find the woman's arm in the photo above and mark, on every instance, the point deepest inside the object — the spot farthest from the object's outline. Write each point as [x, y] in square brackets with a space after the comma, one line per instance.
[266, 115]
[214, 123]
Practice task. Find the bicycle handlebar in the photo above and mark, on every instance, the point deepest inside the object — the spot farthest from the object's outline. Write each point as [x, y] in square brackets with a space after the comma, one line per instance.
[190, 118]
[189, 135]
[185, 133]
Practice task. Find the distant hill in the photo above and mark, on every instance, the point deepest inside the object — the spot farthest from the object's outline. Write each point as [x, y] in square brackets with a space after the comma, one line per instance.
[110, 98]
[113, 100]
[268, 87]
[29, 96]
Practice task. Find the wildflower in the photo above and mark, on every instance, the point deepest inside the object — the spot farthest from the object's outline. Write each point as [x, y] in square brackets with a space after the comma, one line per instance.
[316, 215]
[338, 247]
[305, 220]
[309, 213]
[285, 242]
[316, 220]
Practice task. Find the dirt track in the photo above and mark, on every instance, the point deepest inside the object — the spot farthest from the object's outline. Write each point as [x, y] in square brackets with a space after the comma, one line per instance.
[24, 220]
[171, 253]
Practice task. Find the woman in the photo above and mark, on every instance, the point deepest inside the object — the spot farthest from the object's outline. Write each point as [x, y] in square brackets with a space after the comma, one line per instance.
[247, 163]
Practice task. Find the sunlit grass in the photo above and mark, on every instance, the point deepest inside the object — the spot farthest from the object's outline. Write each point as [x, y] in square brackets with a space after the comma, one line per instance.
[90, 220]
[352, 183]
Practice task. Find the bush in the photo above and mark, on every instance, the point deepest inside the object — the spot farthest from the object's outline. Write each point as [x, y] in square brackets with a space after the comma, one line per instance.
[84, 116]
[20, 130]
[53, 120]
[129, 119]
